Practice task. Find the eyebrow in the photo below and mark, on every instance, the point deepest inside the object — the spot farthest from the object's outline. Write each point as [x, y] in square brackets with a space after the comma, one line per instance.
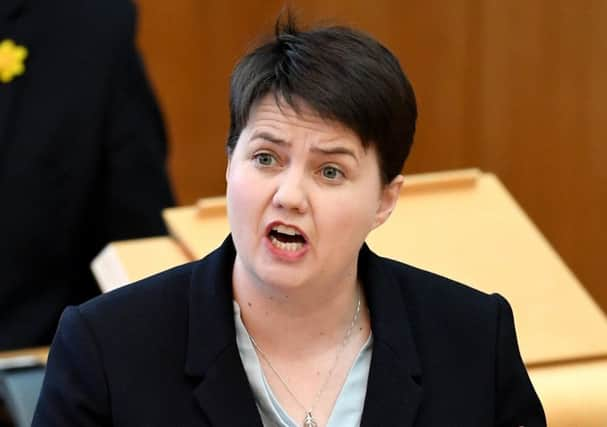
[335, 150]
[326, 151]
[270, 138]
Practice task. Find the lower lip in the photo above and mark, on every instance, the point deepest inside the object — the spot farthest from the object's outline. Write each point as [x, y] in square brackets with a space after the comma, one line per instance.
[284, 254]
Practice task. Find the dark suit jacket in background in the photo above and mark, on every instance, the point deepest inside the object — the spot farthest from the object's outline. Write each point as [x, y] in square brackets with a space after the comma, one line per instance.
[163, 352]
[82, 157]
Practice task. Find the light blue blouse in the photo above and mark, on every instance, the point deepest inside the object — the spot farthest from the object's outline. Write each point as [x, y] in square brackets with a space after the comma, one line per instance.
[348, 408]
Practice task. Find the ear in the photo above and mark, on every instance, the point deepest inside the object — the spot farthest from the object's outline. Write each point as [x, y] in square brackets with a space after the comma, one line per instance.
[388, 200]
[228, 166]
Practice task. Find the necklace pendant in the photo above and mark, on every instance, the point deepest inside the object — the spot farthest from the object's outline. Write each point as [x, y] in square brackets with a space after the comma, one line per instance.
[309, 420]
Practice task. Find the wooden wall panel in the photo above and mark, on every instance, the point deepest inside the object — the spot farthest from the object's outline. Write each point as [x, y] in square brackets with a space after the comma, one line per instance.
[432, 40]
[543, 129]
[190, 47]
[515, 87]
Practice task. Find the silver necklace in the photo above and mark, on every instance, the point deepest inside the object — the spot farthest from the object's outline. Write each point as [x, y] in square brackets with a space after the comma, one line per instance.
[309, 420]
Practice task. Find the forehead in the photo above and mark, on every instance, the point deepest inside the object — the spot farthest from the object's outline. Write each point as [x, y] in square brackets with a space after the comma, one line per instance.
[268, 114]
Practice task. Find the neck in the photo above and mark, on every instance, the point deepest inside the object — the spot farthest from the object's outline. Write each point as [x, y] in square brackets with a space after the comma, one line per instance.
[298, 321]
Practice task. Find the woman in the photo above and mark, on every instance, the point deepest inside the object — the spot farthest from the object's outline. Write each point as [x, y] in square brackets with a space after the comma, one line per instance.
[293, 320]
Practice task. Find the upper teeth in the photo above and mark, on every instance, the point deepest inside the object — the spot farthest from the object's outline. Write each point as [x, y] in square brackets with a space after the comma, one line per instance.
[285, 229]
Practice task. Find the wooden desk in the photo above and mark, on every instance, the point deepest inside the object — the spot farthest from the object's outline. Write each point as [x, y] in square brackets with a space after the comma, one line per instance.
[573, 394]
[24, 357]
[127, 261]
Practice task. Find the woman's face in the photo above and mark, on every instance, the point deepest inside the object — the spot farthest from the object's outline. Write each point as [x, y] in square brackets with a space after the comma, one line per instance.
[302, 196]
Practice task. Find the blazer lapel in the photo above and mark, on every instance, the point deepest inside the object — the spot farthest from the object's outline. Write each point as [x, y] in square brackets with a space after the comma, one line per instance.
[394, 390]
[212, 359]
[224, 394]
[222, 391]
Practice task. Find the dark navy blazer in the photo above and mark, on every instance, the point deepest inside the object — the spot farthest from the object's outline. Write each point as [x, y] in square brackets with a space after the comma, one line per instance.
[82, 157]
[162, 352]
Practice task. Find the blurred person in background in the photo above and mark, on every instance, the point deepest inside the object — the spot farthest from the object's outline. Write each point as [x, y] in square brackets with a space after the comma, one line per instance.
[82, 155]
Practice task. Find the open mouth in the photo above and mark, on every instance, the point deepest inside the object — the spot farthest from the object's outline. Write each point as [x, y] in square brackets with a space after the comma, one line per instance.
[286, 238]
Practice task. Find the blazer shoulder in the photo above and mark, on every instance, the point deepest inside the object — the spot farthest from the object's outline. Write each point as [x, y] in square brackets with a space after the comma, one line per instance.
[450, 322]
[430, 294]
[414, 279]
[161, 300]
[156, 293]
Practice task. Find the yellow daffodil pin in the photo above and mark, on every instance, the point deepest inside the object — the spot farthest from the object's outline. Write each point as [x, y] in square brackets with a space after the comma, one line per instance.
[12, 58]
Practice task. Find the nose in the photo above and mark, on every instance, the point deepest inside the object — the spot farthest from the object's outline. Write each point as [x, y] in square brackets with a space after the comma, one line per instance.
[291, 193]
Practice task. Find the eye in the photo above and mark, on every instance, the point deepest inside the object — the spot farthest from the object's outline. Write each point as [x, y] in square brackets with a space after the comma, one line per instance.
[264, 159]
[331, 173]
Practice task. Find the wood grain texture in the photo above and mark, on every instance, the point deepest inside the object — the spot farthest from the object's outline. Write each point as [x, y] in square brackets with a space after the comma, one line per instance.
[516, 88]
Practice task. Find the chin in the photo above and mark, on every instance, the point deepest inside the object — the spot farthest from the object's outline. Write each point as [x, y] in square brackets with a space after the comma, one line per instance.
[280, 278]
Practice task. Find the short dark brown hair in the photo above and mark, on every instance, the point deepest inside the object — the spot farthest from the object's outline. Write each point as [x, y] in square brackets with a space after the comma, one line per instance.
[342, 74]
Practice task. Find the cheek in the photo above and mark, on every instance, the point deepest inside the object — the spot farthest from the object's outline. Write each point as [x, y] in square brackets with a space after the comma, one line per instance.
[242, 200]
[347, 219]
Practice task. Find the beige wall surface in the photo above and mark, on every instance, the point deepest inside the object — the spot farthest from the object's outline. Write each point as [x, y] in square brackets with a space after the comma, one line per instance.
[512, 87]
